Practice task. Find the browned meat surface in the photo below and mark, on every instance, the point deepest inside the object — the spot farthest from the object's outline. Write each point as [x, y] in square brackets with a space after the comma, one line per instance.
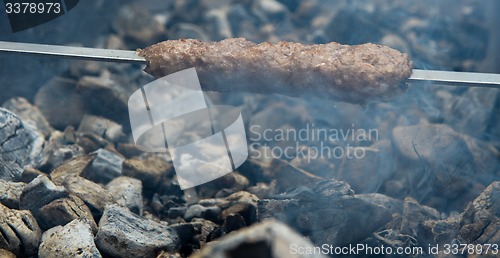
[354, 74]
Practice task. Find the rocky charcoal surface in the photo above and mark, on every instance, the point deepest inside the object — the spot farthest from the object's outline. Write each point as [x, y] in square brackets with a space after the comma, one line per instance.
[73, 184]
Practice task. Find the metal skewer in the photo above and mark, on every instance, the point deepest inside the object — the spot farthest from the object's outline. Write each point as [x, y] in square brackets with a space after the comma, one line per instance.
[93, 54]
[111, 55]
[488, 80]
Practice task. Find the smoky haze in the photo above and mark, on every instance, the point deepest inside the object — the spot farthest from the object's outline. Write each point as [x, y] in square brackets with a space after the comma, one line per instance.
[397, 172]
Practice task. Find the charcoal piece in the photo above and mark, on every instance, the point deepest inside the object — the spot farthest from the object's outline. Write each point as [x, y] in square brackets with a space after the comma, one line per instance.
[211, 213]
[347, 73]
[326, 212]
[395, 187]
[164, 254]
[95, 196]
[242, 203]
[415, 214]
[29, 174]
[187, 30]
[175, 212]
[60, 103]
[185, 232]
[247, 211]
[332, 188]
[75, 239]
[71, 168]
[391, 204]
[39, 192]
[59, 149]
[242, 22]
[271, 11]
[125, 234]
[276, 208]
[267, 239]
[353, 18]
[52, 205]
[396, 42]
[129, 150]
[474, 113]
[322, 166]
[6, 254]
[233, 199]
[433, 150]
[19, 232]
[138, 24]
[491, 234]
[68, 136]
[485, 159]
[127, 192]
[10, 193]
[29, 114]
[91, 142]
[64, 102]
[481, 219]
[104, 96]
[295, 5]
[223, 186]
[233, 222]
[58, 155]
[205, 229]
[101, 126]
[263, 190]
[150, 170]
[112, 42]
[55, 153]
[217, 24]
[287, 175]
[106, 166]
[172, 206]
[79, 68]
[62, 211]
[19, 141]
[393, 239]
[10, 170]
[373, 165]
[438, 231]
